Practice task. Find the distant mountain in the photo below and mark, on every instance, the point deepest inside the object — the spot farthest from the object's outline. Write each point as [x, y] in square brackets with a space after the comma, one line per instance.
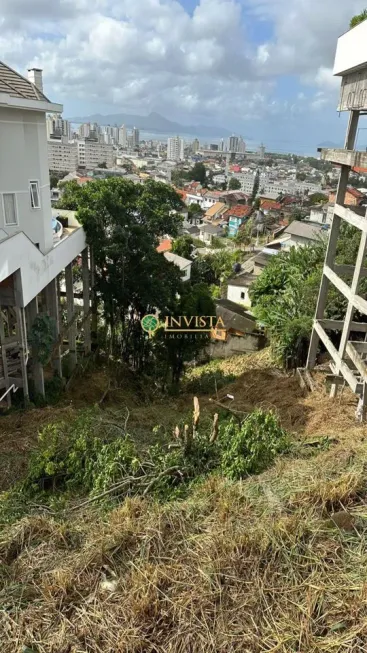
[154, 123]
[330, 145]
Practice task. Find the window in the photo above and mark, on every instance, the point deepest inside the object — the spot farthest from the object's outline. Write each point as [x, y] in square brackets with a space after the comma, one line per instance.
[35, 195]
[10, 209]
[242, 295]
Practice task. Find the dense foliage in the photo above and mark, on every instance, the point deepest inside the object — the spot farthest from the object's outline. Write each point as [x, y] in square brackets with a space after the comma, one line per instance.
[234, 184]
[284, 296]
[92, 455]
[360, 18]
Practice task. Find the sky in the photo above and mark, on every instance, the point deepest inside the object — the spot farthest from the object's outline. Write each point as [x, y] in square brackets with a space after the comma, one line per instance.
[260, 68]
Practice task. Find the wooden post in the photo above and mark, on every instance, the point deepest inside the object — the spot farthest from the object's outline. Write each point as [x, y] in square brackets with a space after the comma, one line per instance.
[94, 321]
[37, 369]
[71, 315]
[52, 306]
[3, 356]
[86, 301]
[23, 349]
[333, 240]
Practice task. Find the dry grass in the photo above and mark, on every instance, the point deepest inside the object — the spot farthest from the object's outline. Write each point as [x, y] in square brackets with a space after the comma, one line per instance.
[248, 567]
[252, 566]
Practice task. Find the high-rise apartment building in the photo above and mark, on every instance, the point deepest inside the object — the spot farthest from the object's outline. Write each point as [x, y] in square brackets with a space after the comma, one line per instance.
[175, 149]
[91, 153]
[123, 136]
[62, 155]
[56, 126]
[233, 144]
[136, 137]
[195, 147]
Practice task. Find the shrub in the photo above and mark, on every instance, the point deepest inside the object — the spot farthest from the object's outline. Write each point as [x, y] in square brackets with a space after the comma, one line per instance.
[79, 455]
[251, 447]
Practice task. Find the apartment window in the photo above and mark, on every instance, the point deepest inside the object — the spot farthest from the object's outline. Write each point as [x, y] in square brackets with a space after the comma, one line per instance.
[10, 209]
[242, 295]
[35, 195]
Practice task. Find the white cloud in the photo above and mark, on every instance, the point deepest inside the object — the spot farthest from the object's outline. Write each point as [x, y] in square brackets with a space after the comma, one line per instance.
[144, 55]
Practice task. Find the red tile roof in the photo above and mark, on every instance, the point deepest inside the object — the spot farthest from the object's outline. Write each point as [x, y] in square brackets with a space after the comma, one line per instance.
[238, 211]
[270, 205]
[355, 193]
[165, 246]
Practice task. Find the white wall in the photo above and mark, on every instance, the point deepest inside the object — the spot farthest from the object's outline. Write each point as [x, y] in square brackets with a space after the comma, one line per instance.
[351, 50]
[24, 157]
[37, 270]
[234, 294]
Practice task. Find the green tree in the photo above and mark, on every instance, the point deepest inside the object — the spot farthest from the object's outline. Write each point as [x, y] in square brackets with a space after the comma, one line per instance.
[123, 222]
[183, 246]
[55, 177]
[179, 177]
[198, 173]
[318, 198]
[256, 187]
[360, 18]
[301, 176]
[195, 211]
[173, 350]
[234, 184]
[102, 165]
[71, 191]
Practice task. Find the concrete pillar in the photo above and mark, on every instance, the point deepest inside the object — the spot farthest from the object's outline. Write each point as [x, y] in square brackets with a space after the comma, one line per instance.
[52, 307]
[86, 301]
[71, 315]
[37, 369]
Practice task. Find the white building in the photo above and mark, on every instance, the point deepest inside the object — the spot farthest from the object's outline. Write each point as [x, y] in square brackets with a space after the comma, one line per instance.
[92, 153]
[62, 155]
[175, 149]
[136, 137]
[123, 136]
[183, 263]
[34, 247]
[58, 127]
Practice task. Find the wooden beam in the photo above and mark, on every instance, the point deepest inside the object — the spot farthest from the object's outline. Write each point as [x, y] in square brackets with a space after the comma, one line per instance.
[358, 362]
[358, 302]
[352, 217]
[350, 158]
[359, 346]
[341, 365]
[337, 325]
[348, 270]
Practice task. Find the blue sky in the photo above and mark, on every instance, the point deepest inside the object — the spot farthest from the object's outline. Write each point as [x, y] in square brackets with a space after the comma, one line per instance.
[262, 68]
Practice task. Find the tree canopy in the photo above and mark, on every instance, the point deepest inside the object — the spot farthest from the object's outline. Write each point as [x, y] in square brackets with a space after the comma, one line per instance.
[198, 173]
[234, 184]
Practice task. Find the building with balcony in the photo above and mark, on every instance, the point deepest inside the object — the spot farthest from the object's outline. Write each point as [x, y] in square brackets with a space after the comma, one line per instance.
[35, 247]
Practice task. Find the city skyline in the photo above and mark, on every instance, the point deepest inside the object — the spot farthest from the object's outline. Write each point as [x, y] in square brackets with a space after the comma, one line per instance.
[253, 66]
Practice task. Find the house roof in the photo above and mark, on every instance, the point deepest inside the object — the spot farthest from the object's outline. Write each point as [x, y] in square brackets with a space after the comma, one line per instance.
[238, 211]
[15, 85]
[218, 206]
[243, 280]
[234, 316]
[236, 195]
[356, 193]
[192, 230]
[210, 229]
[304, 230]
[270, 205]
[164, 246]
[180, 261]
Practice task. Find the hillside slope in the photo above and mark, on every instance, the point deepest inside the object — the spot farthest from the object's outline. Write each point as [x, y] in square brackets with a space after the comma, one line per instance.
[277, 562]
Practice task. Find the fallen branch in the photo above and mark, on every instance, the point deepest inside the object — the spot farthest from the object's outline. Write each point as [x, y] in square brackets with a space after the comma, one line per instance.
[105, 393]
[157, 478]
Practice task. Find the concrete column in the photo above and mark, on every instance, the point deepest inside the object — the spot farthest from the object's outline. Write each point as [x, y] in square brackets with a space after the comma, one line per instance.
[71, 315]
[52, 306]
[86, 301]
[37, 369]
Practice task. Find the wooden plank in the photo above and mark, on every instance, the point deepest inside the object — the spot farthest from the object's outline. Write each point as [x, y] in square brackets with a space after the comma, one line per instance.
[358, 362]
[341, 365]
[348, 270]
[358, 302]
[359, 346]
[350, 158]
[337, 325]
[352, 217]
